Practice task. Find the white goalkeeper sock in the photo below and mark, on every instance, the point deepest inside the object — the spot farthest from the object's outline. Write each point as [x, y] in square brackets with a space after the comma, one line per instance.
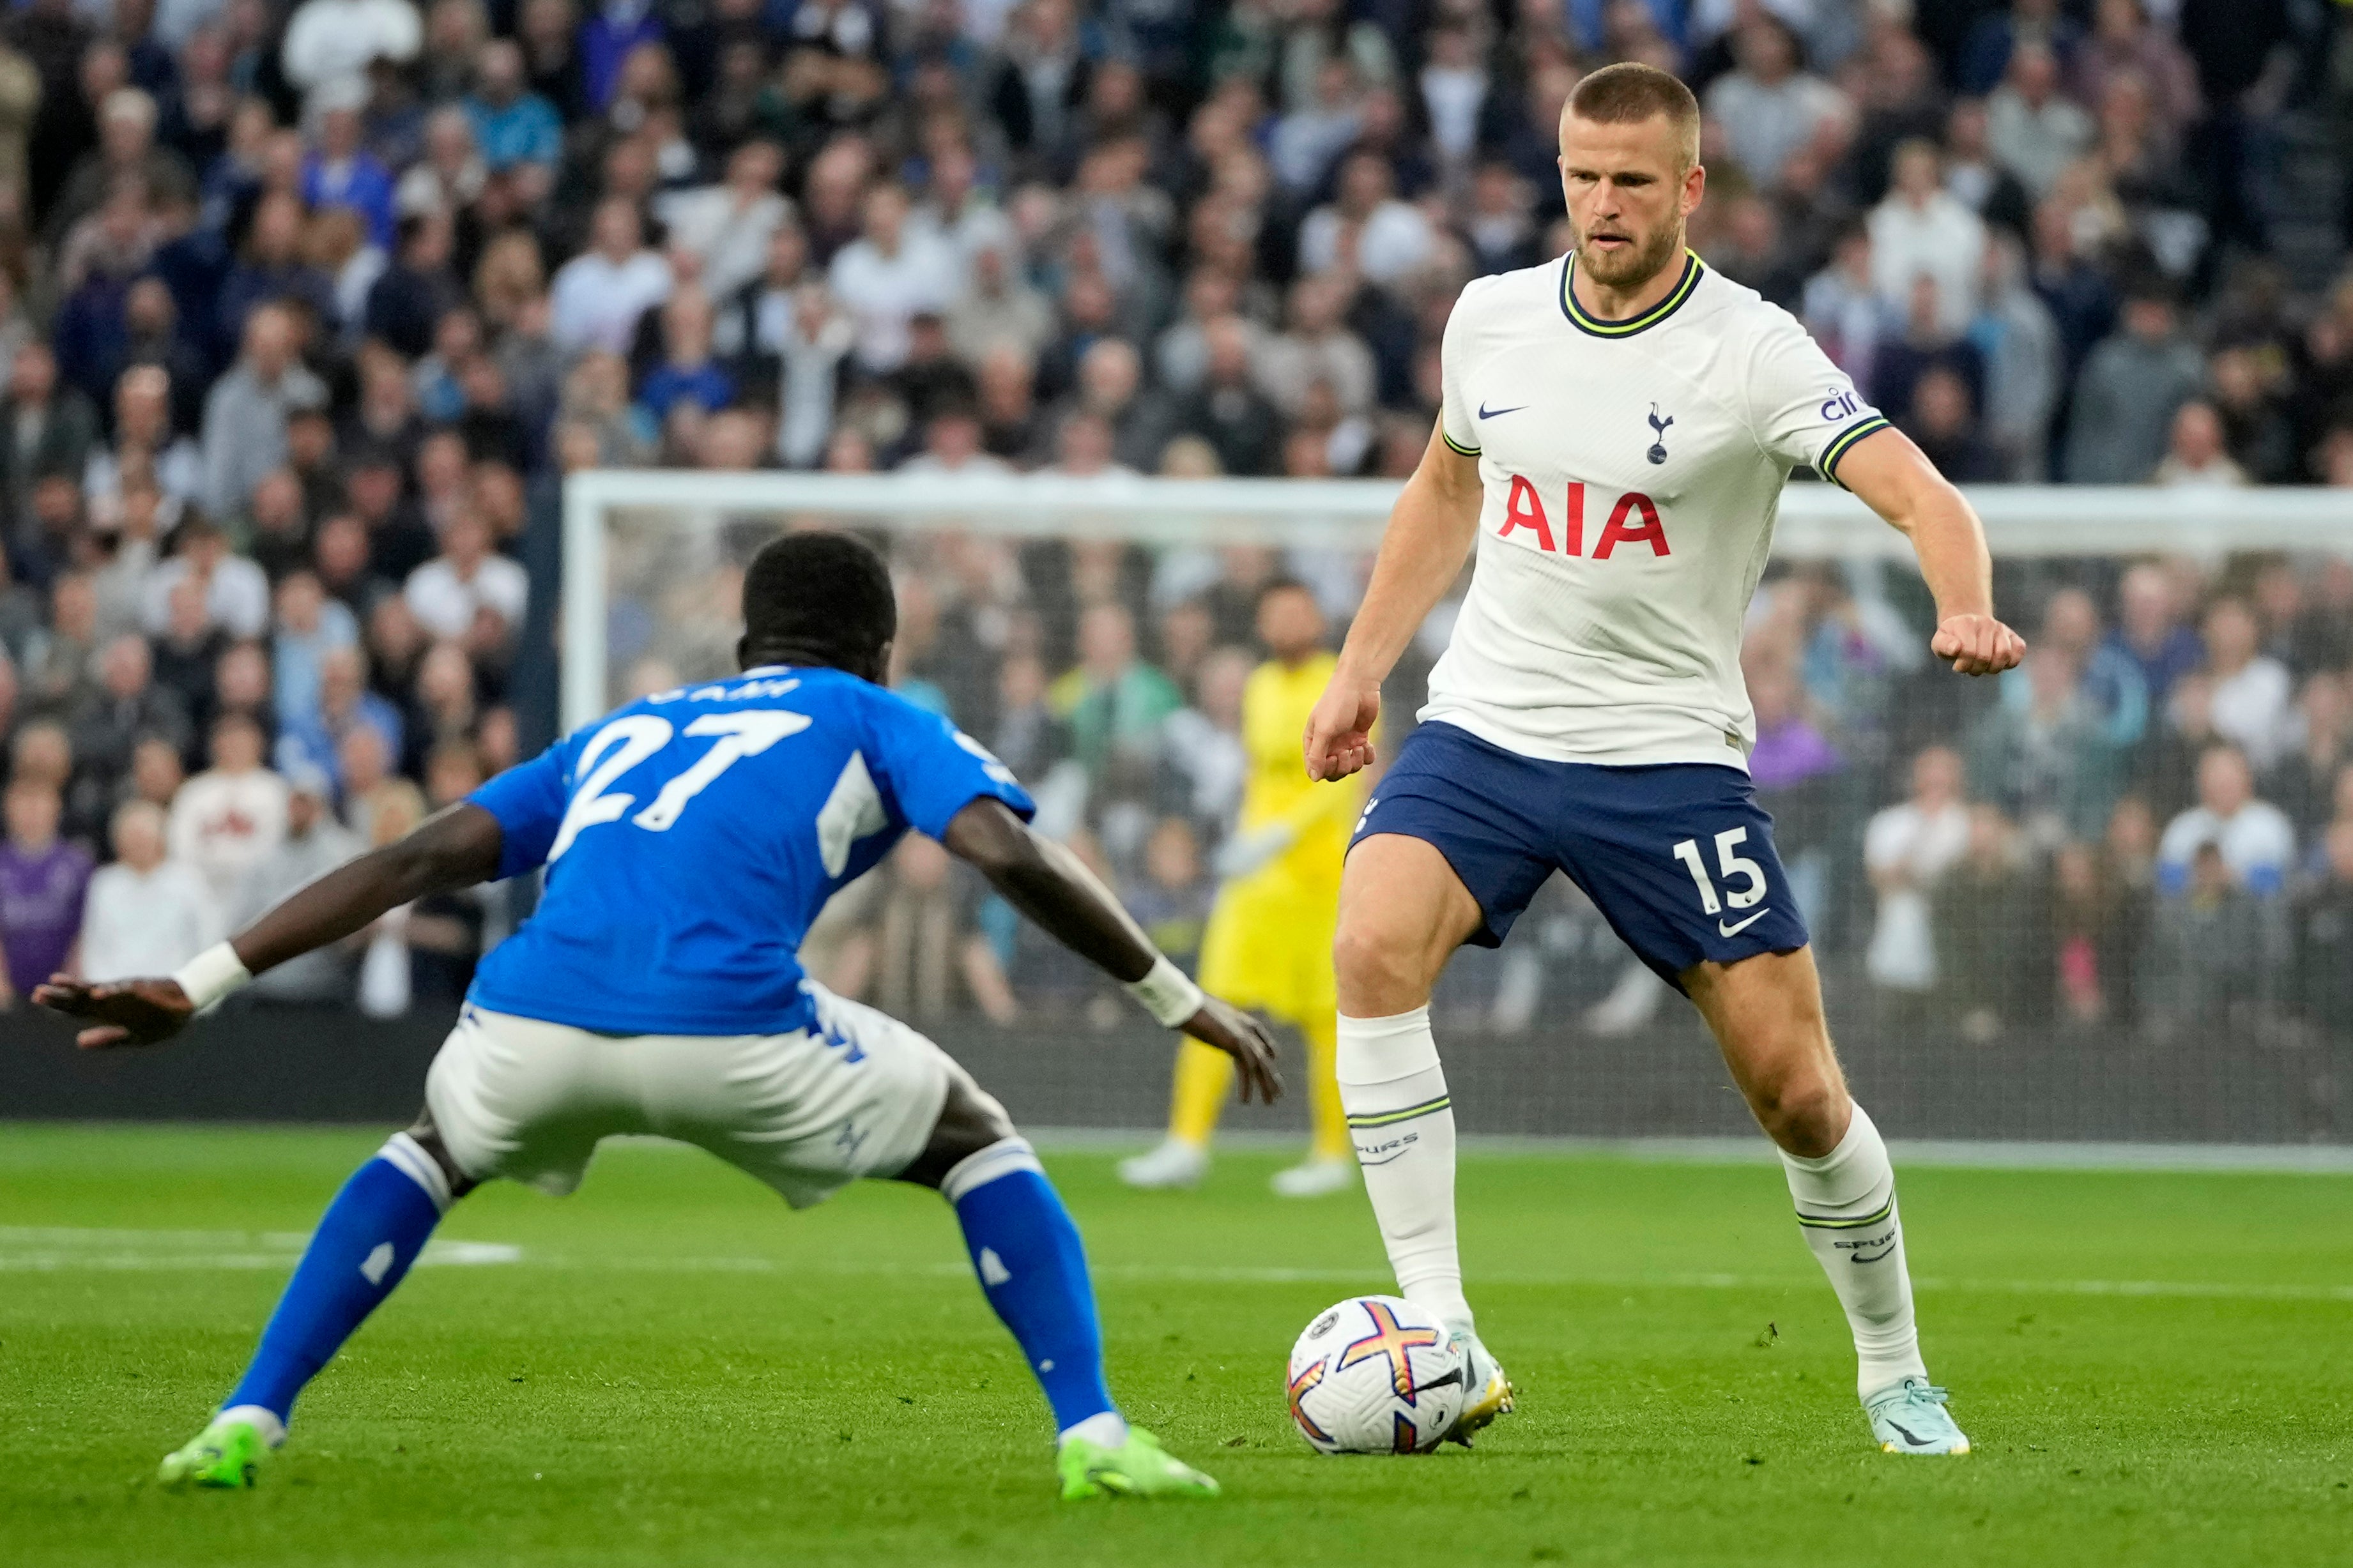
[1846, 1206]
[1395, 1094]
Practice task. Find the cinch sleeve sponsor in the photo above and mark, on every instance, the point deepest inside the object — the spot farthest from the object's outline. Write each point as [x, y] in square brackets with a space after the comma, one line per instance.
[1806, 410]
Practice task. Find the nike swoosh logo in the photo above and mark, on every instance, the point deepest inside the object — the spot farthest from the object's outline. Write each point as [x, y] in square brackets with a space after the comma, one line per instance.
[1735, 930]
[1880, 1257]
[1487, 413]
[1908, 1436]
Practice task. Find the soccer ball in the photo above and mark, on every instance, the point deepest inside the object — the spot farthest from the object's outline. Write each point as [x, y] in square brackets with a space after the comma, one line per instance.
[1375, 1375]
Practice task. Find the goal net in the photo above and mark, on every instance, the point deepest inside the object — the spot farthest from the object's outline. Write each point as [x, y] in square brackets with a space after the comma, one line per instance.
[2102, 899]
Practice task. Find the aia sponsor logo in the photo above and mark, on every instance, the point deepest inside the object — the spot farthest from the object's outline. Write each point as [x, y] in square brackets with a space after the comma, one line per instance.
[1633, 520]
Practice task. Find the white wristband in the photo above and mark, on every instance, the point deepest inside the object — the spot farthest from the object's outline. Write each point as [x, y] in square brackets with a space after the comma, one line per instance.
[211, 975]
[1167, 993]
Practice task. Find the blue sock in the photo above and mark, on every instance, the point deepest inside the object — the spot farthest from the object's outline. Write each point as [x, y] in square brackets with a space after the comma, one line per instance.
[364, 1245]
[1034, 1269]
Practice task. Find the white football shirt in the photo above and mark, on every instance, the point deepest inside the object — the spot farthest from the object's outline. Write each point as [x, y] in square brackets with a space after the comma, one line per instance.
[1633, 471]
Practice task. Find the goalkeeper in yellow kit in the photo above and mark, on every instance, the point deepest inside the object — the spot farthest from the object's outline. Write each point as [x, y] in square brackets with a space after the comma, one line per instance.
[1268, 943]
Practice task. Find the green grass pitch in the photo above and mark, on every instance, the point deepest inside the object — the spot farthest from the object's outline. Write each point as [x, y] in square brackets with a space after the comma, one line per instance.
[670, 1368]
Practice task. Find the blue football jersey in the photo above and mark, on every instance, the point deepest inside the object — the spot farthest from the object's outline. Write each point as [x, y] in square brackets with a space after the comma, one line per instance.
[690, 837]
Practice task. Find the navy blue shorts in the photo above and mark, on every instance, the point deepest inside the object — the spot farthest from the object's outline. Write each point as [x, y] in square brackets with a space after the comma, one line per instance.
[1678, 857]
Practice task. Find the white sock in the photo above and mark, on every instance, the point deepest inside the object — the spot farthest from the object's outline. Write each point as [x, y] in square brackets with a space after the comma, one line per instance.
[266, 1422]
[1846, 1208]
[1395, 1094]
[1105, 1429]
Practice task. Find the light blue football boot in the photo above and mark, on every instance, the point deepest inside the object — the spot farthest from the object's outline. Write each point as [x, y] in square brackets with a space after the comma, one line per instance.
[1909, 1417]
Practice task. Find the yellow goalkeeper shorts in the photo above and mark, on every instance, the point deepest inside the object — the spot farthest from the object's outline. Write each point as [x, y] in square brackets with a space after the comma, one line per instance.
[1268, 947]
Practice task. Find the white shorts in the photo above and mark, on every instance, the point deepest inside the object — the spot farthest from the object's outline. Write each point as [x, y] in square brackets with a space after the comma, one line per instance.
[806, 1112]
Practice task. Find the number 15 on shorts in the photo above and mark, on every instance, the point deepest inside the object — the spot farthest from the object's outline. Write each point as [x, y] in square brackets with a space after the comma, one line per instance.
[1735, 867]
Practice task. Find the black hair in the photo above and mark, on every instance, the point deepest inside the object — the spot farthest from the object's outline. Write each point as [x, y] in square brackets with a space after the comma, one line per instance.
[1284, 584]
[818, 598]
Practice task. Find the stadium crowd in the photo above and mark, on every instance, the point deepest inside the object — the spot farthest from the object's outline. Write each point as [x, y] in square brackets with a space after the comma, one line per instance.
[304, 309]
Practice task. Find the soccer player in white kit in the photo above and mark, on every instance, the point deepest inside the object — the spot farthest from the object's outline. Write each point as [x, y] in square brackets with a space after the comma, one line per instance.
[1617, 429]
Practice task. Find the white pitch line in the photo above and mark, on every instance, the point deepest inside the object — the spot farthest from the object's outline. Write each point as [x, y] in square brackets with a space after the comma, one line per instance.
[66, 1250]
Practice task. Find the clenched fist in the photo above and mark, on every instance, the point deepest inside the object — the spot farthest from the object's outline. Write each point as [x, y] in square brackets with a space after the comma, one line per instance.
[1977, 645]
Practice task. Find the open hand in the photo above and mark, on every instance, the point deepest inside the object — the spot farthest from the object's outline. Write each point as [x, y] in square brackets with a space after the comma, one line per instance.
[125, 1012]
[1977, 645]
[1339, 740]
[1241, 1036]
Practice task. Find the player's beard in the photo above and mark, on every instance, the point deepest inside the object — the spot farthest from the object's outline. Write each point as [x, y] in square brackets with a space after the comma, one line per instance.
[1629, 270]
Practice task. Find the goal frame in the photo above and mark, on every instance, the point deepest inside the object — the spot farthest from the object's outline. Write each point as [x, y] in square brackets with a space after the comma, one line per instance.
[1818, 522]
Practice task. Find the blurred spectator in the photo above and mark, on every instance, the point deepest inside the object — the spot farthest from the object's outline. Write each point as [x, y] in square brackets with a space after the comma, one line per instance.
[688, 374]
[308, 625]
[245, 412]
[1316, 348]
[466, 592]
[2030, 126]
[728, 226]
[1907, 850]
[887, 276]
[515, 128]
[342, 172]
[2194, 451]
[329, 42]
[1227, 410]
[2253, 694]
[233, 590]
[2210, 940]
[1929, 342]
[2044, 756]
[43, 882]
[145, 914]
[1386, 239]
[2128, 395]
[2304, 783]
[598, 295]
[123, 708]
[1113, 702]
[1921, 229]
[1993, 951]
[51, 429]
[1942, 419]
[229, 818]
[2323, 926]
[926, 942]
[2253, 837]
[1768, 105]
[2150, 633]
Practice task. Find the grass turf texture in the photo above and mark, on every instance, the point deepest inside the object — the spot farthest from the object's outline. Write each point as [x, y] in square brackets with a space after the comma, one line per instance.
[677, 1370]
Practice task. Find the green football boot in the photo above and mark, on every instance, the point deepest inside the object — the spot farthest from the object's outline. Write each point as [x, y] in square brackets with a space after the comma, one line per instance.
[225, 1454]
[1137, 1468]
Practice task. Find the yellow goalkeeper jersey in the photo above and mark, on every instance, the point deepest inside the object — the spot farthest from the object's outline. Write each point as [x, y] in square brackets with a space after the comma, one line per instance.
[1275, 706]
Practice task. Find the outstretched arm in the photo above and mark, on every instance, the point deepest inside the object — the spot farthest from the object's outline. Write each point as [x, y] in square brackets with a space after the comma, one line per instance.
[1429, 532]
[1896, 480]
[456, 848]
[1052, 885]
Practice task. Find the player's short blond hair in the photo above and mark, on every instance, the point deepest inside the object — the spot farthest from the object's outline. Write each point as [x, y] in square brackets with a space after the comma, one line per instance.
[1630, 92]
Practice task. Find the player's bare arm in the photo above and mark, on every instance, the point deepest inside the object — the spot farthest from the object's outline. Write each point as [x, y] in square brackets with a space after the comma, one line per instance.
[1896, 480]
[456, 848]
[1050, 885]
[1429, 536]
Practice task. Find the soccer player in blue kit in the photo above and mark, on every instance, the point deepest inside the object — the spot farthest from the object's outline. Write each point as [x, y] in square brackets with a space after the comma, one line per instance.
[688, 839]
